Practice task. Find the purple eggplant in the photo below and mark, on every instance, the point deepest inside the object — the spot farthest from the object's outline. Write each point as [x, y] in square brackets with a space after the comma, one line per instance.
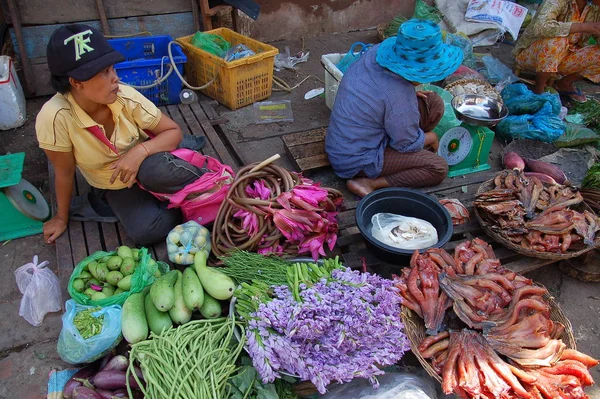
[118, 362]
[104, 361]
[105, 394]
[120, 393]
[139, 373]
[83, 373]
[85, 393]
[113, 379]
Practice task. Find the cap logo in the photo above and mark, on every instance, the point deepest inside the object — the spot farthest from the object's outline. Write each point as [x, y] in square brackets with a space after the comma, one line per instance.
[81, 43]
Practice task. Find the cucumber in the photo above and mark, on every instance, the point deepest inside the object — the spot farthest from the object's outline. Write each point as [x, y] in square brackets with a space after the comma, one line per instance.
[125, 252]
[193, 293]
[118, 291]
[125, 283]
[101, 272]
[211, 308]
[136, 254]
[162, 293]
[157, 320]
[215, 283]
[179, 313]
[134, 325]
[106, 259]
[114, 277]
[88, 292]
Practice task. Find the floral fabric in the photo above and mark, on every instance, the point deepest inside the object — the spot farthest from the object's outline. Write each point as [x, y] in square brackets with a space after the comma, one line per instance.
[547, 45]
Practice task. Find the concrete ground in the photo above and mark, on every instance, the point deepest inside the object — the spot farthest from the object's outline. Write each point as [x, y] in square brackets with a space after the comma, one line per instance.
[28, 354]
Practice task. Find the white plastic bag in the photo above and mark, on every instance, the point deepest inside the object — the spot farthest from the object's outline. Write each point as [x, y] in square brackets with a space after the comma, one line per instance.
[41, 291]
[403, 232]
[391, 386]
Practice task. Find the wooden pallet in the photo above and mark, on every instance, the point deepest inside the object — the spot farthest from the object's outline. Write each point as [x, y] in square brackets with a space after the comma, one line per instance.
[84, 238]
[307, 149]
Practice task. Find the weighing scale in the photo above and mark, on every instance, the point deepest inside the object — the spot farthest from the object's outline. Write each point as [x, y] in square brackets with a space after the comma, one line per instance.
[466, 148]
[22, 206]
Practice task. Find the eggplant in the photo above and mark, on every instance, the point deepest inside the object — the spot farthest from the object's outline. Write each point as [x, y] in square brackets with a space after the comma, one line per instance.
[83, 373]
[544, 178]
[553, 171]
[139, 373]
[513, 161]
[114, 379]
[120, 393]
[105, 394]
[85, 393]
[104, 361]
[118, 362]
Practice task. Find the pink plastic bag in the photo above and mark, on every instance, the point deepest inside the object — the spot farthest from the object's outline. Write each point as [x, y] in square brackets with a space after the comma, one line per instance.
[200, 200]
[41, 291]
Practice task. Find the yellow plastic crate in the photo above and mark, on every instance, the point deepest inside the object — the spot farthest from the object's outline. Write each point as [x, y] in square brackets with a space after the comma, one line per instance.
[238, 83]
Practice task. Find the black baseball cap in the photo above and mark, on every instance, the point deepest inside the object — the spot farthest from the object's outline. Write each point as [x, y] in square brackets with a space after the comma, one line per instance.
[80, 51]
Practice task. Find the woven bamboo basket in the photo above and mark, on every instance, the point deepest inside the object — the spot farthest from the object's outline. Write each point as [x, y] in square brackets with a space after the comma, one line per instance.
[489, 185]
[415, 331]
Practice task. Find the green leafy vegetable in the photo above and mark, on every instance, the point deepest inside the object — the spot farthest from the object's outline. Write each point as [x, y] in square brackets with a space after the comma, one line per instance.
[247, 384]
[592, 178]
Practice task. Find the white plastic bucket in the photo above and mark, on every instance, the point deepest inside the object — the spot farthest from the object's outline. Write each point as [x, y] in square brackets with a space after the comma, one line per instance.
[12, 98]
[333, 76]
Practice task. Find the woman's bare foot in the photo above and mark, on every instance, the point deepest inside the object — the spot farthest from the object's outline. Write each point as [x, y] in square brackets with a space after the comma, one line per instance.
[362, 186]
[359, 186]
[569, 90]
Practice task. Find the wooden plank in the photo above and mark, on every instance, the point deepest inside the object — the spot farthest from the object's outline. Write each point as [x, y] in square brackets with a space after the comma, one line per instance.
[18, 31]
[36, 12]
[307, 150]
[110, 235]
[103, 19]
[526, 265]
[310, 136]
[124, 238]
[176, 115]
[36, 38]
[91, 229]
[196, 129]
[314, 162]
[64, 256]
[209, 131]
[160, 249]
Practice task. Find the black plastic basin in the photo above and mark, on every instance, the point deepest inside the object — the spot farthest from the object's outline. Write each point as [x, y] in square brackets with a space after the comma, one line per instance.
[405, 202]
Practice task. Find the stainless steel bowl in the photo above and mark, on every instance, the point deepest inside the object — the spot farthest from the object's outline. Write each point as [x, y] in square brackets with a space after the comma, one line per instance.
[478, 110]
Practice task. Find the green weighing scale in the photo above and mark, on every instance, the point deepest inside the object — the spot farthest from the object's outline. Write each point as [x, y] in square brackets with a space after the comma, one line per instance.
[466, 148]
[22, 206]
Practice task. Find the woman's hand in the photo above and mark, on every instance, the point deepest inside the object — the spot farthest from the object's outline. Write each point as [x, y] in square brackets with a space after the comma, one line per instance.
[593, 28]
[53, 229]
[127, 166]
[431, 142]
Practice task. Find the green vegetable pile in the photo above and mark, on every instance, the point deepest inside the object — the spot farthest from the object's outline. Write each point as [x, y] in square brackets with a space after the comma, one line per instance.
[247, 266]
[192, 361]
[592, 177]
[590, 111]
[87, 324]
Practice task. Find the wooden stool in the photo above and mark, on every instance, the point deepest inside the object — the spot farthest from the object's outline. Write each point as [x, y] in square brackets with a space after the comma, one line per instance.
[207, 12]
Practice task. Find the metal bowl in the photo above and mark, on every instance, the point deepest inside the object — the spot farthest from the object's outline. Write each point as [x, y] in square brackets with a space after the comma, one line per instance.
[478, 110]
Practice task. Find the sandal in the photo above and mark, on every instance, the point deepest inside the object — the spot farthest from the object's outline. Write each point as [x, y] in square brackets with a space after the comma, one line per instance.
[89, 208]
[572, 95]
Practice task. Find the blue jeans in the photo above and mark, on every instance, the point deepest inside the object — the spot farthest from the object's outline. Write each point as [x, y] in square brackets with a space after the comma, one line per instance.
[145, 218]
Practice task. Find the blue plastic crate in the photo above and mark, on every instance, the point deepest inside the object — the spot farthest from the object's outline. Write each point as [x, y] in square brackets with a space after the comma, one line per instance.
[143, 65]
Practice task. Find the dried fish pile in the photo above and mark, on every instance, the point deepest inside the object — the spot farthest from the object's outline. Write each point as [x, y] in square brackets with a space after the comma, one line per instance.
[537, 216]
[490, 331]
[458, 212]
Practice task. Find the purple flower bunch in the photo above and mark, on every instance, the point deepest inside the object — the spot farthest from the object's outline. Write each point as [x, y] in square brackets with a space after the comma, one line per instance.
[344, 327]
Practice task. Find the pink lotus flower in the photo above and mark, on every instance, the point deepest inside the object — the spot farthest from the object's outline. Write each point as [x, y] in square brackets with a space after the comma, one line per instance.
[310, 194]
[249, 221]
[258, 190]
[294, 223]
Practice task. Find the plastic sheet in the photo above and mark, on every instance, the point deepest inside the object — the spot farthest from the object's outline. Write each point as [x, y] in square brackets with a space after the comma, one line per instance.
[403, 232]
[391, 386]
